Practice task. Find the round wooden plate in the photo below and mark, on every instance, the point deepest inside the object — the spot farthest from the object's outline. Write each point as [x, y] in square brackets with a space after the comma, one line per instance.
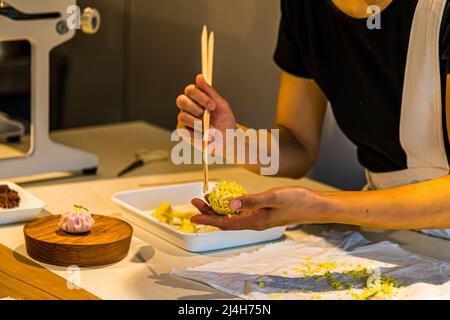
[108, 242]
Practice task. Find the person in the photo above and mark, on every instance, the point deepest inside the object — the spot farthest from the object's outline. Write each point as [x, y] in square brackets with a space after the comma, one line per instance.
[387, 88]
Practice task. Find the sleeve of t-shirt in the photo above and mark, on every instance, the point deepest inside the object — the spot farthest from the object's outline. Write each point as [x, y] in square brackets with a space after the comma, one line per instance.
[287, 53]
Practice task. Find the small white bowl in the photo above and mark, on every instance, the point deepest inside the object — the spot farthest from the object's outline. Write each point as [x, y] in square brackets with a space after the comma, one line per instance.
[29, 207]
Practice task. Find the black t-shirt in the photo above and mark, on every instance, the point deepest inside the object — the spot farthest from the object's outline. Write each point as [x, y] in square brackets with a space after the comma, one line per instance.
[361, 71]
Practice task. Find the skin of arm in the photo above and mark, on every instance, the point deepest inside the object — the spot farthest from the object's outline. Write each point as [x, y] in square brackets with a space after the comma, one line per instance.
[418, 206]
[300, 113]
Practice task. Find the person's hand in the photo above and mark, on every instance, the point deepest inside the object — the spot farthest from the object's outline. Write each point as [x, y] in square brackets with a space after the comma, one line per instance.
[198, 97]
[273, 208]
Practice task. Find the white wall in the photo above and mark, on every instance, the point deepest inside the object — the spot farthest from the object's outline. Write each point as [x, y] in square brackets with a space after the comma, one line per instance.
[95, 83]
[166, 55]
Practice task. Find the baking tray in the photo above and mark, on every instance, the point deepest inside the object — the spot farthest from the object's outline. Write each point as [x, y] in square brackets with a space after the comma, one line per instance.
[29, 208]
[139, 204]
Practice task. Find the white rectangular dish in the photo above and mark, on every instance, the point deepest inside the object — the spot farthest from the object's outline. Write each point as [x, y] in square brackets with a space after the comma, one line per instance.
[29, 207]
[139, 204]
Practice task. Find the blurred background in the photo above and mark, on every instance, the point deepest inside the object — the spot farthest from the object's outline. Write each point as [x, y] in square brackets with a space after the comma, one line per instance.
[147, 51]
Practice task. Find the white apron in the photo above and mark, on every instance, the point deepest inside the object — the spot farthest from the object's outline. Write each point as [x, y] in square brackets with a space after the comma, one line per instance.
[421, 128]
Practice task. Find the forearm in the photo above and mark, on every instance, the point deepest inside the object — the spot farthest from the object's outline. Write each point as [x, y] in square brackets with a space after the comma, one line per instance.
[293, 158]
[418, 206]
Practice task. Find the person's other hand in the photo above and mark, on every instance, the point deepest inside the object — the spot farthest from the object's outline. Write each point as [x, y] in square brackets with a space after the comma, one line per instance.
[273, 208]
[198, 97]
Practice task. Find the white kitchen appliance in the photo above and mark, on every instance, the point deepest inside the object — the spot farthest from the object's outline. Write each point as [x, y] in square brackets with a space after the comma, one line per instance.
[45, 24]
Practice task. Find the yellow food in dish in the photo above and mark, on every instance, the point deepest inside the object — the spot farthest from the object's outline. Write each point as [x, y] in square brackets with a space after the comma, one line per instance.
[179, 217]
[164, 213]
[187, 226]
[222, 194]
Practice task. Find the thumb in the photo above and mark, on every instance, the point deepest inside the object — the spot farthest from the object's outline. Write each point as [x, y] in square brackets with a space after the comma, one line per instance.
[209, 90]
[254, 201]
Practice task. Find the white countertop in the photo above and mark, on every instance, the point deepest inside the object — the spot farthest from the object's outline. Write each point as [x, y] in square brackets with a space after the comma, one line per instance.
[145, 273]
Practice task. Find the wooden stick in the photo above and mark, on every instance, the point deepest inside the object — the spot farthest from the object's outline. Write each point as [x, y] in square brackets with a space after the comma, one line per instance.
[207, 70]
[210, 58]
[206, 120]
[205, 52]
[205, 116]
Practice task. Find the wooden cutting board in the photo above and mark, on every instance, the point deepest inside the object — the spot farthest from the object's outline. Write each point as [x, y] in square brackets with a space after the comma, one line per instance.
[108, 242]
[21, 278]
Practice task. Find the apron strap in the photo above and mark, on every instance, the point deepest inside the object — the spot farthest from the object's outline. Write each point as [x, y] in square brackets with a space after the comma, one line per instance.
[421, 133]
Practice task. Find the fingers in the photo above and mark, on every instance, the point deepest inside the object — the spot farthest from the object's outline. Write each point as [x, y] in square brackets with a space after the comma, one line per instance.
[211, 218]
[210, 91]
[235, 222]
[190, 121]
[200, 97]
[202, 207]
[194, 101]
[221, 222]
[188, 105]
[192, 105]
